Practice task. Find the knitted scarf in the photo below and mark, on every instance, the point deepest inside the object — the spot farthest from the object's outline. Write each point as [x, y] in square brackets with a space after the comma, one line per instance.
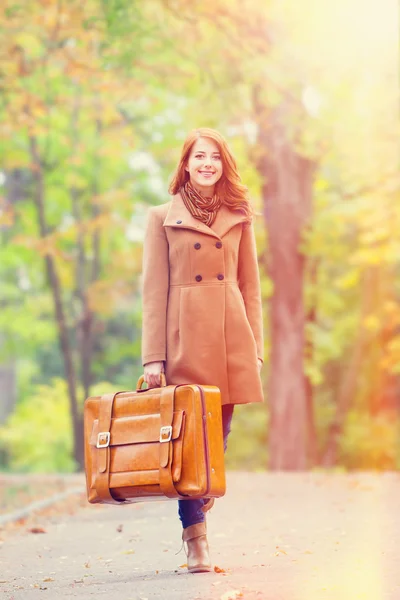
[204, 209]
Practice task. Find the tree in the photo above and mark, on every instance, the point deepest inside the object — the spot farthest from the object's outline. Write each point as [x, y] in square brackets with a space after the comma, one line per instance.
[69, 133]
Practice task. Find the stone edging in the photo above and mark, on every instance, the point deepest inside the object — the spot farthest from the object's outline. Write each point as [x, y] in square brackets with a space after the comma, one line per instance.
[38, 505]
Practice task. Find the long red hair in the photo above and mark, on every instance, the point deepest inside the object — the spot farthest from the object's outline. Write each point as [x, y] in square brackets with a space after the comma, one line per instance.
[229, 188]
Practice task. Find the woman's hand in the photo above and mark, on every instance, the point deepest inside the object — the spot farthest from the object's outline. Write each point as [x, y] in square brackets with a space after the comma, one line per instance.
[152, 371]
[260, 363]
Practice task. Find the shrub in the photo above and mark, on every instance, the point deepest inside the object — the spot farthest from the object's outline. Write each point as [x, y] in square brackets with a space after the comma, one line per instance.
[370, 441]
[37, 437]
[247, 442]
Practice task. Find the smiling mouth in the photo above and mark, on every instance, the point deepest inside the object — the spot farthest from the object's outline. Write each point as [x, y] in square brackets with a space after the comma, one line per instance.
[207, 172]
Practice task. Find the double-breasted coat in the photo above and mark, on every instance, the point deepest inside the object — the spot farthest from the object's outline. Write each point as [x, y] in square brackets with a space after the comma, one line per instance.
[202, 310]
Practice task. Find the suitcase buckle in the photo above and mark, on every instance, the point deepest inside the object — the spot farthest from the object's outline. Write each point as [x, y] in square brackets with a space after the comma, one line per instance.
[103, 439]
[166, 433]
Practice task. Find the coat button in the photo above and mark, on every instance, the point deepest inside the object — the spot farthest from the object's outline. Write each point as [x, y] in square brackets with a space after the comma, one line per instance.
[198, 278]
[197, 245]
[179, 222]
[218, 244]
[220, 276]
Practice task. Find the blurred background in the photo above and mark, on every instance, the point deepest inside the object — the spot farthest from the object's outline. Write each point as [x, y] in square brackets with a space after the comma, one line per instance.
[96, 100]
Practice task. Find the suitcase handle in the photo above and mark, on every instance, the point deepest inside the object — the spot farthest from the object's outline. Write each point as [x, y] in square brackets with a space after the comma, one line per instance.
[141, 381]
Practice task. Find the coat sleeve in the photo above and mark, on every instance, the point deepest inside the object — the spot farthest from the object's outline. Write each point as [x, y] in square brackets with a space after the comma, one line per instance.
[155, 287]
[249, 285]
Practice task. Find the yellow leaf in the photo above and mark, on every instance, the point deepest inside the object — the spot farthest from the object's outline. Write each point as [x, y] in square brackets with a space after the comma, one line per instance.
[231, 595]
[372, 323]
[349, 280]
[29, 42]
[73, 180]
[6, 218]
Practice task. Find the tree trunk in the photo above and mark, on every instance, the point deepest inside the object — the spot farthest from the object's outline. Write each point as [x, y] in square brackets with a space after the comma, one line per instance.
[86, 316]
[87, 319]
[54, 282]
[311, 318]
[348, 386]
[384, 384]
[287, 197]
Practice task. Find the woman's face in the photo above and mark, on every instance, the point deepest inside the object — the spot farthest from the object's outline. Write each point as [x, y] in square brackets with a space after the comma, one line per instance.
[204, 166]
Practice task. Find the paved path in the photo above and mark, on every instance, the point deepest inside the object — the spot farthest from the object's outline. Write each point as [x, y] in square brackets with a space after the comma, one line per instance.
[277, 537]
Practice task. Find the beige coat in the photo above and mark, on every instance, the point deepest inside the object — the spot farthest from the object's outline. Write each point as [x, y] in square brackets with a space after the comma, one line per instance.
[202, 310]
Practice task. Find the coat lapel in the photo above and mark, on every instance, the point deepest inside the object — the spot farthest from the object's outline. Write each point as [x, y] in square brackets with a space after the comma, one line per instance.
[224, 221]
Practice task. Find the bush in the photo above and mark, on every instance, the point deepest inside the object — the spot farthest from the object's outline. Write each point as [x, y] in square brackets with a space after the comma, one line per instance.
[37, 437]
[247, 442]
[370, 441]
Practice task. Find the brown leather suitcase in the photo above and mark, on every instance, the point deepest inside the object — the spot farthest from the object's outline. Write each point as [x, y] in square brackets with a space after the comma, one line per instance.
[154, 443]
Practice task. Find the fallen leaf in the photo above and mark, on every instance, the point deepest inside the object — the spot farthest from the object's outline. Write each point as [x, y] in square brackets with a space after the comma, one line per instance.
[231, 595]
[128, 552]
[87, 564]
[219, 570]
[48, 579]
[37, 530]
[3, 581]
[183, 566]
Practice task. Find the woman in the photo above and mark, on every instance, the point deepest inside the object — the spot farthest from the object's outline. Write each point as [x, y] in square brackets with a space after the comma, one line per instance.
[202, 314]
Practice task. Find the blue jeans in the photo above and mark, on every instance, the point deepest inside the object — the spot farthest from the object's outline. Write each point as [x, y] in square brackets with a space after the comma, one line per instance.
[190, 511]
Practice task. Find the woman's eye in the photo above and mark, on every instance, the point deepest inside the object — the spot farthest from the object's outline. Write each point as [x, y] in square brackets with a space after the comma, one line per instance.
[200, 157]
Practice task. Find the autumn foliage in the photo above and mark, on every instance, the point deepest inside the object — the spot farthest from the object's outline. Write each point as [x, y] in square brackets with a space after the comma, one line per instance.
[96, 98]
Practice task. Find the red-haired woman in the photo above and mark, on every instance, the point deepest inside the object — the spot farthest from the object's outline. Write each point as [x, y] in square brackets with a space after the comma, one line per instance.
[202, 315]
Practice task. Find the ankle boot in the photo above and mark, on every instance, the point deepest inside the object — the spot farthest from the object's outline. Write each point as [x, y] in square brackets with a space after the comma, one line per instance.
[198, 559]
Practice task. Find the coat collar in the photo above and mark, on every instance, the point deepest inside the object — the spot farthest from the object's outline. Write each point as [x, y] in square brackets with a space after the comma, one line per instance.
[224, 221]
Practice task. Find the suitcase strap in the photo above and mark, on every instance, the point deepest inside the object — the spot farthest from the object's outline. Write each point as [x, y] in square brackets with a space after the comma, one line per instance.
[166, 452]
[102, 481]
